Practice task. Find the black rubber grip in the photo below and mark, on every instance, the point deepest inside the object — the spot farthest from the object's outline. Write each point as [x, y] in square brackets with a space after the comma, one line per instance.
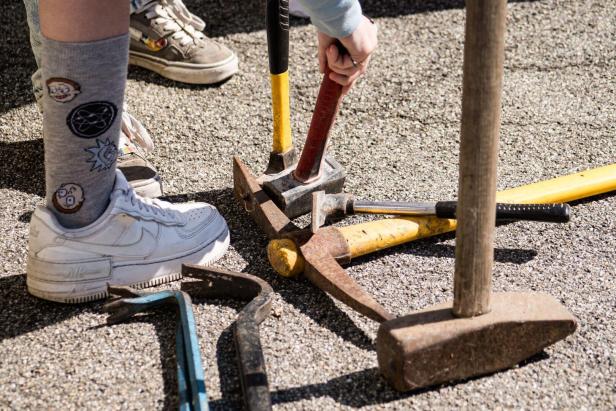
[277, 22]
[551, 213]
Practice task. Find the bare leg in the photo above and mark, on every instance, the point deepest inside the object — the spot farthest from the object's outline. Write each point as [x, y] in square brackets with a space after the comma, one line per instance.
[83, 20]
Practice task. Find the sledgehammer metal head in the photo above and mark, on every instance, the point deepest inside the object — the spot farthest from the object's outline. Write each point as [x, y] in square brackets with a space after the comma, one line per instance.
[432, 346]
[294, 197]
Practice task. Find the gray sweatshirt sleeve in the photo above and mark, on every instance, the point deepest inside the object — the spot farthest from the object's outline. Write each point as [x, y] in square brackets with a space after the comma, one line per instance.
[337, 18]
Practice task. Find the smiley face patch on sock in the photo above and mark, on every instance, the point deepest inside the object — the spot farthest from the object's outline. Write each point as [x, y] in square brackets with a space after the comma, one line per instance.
[103, 156]
[62, 90]
[68, 198]
[92, 119]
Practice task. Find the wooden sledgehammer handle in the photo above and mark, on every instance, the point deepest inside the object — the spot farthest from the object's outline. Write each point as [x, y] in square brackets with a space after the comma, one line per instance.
[325, 111]
[481, 108]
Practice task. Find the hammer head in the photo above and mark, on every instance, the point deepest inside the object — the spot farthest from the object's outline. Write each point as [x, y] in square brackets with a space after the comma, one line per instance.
[432, 346]
[257, 203]
[328, 205]
[293, 197]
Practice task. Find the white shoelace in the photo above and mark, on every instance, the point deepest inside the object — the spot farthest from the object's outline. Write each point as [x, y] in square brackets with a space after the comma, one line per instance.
[162, 14]
[151, 206]
[180, 10]
[133, 133]
[154, 206]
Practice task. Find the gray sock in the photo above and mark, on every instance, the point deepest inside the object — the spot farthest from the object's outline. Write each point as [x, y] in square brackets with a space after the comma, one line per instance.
[82, 109]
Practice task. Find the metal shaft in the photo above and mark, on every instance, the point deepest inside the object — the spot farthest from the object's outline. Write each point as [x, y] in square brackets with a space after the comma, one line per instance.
[393, 207]
[481, 107]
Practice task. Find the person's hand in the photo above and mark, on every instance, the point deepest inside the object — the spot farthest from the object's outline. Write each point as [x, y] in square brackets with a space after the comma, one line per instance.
[347, 68]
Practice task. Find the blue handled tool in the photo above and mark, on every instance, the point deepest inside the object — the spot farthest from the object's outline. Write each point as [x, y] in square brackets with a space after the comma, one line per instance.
[191, 383]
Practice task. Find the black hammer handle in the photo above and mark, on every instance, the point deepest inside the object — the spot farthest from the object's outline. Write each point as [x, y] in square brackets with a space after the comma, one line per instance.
[277, 23]
[552, 213]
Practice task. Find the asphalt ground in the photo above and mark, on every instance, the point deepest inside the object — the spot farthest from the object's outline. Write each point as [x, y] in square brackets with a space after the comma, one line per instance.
[397, 136]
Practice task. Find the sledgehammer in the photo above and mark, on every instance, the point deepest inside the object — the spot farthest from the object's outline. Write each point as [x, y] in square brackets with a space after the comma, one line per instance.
[292, 188]
[282, 155]
[287, 182]
[480, 332]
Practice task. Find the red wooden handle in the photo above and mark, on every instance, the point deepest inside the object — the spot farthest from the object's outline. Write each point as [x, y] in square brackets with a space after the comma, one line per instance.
[325, 110]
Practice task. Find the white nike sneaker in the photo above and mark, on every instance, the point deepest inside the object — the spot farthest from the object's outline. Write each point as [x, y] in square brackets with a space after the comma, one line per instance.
[137, 241]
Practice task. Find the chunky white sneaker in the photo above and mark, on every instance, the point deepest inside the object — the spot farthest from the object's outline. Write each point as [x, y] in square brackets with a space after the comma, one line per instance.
[137, 241]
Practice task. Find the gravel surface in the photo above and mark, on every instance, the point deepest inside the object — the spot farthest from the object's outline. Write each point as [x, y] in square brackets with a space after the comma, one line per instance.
[397, 136]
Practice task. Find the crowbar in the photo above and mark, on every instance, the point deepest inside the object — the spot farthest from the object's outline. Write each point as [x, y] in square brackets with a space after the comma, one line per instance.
[191, 382]
[219, 283]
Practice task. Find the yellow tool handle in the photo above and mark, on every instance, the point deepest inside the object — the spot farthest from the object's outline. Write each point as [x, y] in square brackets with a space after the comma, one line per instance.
[282, 141]
[563, 189]
[376, 235]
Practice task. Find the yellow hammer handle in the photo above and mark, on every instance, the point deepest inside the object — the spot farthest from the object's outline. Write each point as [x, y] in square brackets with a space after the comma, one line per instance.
[281, 112]
[376, 235]
[372, 236]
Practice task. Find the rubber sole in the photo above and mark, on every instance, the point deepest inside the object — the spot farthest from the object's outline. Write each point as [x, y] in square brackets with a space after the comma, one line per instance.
[185, 72]
[143, 274]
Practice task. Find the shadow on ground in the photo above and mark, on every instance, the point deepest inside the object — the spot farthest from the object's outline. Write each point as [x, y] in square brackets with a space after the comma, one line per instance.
[22, 166]
[164, 321]
[300, 293]
[357, 389]
[17, 62]
[23, 313]
[432, 247]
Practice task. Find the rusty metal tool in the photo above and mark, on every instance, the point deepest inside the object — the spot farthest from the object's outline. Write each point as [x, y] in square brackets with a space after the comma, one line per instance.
[219, 283]
[191, 382]
[325, 273]
[339, 205]
[479, 332]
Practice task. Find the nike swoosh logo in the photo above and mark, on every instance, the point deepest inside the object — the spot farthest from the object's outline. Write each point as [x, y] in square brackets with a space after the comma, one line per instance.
[138, 249]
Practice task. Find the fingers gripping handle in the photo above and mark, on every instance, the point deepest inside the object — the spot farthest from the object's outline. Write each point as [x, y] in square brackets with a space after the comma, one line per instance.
[552, 213]
[325, 111]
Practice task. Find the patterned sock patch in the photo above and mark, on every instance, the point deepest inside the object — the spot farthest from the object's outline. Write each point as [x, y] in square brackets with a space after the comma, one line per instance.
[81, 124]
